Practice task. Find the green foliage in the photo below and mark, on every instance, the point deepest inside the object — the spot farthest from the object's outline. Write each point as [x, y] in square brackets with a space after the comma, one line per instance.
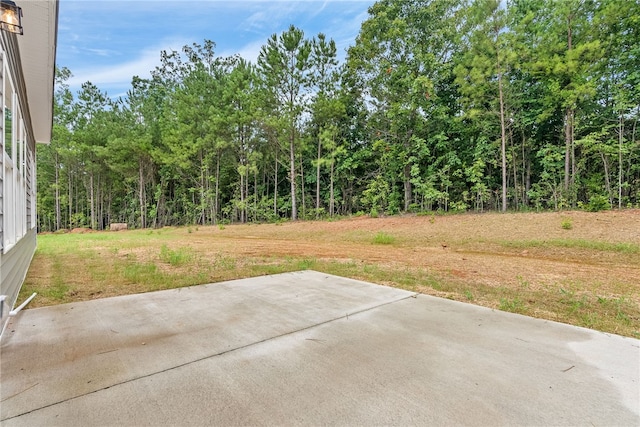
[382, 238]
[78, 220]
[375, 196]
[176, 257]
[497, 107]
[306, 264]
[566, 224]
[513, 305]
[619, 305]
[598, 203]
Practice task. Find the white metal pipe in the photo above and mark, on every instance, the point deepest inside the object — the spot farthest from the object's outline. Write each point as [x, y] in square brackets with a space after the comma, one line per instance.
[23, 305]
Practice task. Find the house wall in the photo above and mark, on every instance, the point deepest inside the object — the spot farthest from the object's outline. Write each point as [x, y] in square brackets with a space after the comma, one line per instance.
[17, 177]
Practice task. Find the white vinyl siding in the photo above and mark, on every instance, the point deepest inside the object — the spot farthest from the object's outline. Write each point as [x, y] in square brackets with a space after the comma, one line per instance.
[18, 181]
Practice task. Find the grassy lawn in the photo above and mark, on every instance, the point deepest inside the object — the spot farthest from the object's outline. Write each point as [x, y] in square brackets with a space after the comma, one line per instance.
[586, 273]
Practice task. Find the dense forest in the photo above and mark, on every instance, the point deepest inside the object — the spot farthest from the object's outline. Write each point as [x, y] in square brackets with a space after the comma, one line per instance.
[440, 105]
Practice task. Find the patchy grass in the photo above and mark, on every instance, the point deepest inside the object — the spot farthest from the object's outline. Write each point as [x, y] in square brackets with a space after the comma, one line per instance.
[587, 275]
[514, 305]
[596, 245]
[176, 257]
[383, 238]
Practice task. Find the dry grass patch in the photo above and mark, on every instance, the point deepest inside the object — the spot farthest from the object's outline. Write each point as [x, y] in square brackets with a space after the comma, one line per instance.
[586, 275]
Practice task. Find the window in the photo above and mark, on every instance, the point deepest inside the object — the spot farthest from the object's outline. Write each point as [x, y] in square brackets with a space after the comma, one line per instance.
[18, 186]
[8, 115]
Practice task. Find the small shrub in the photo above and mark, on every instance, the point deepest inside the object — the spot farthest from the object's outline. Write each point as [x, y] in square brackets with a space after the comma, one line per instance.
[598, 203]
[174, 258]
[373, 213]
[314, 213]
[458, 206]
[383, 238]
[567, 224]
[78, 220]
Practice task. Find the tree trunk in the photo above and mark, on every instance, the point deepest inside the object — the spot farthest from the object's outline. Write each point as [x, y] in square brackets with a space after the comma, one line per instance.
[407, 187]
[525, 169]
[568, 148]
[515, 170]
[292, 178]
[99, 206]
[246, 195]
[203, 204]
[503, 145]
[255, 194]
[70, 199]
[58, 213]
[607, 180]
[568, 132]
[141, 197]
[92, 202]
[242, 210]
[216, 202]
[275, 188]
[302, 200]
[318, 177]
[620, 166]
[331, 196]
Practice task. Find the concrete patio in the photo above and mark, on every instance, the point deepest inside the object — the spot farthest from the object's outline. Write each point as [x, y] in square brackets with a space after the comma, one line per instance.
[308, 348]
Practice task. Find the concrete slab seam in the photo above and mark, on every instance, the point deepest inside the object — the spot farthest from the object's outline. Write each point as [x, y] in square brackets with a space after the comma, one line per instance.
[200, 359]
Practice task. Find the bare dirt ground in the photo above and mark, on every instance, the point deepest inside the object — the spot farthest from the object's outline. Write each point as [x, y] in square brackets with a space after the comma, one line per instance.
[489, 249]
[577, 267]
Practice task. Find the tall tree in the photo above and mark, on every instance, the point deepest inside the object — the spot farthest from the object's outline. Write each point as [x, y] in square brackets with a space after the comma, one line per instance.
[564, 58]
[238, 111]
[284, 64]
[63, 110]
[91, 137]
[326, 107]
[618, 93]
[404, 75]
[482, 73]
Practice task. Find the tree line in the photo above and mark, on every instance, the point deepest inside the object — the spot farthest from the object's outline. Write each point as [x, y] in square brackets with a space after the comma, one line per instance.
[440, 105]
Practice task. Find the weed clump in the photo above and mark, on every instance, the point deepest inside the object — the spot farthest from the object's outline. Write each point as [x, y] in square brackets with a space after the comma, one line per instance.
[174, 257]
[383, 238]
[567, 224]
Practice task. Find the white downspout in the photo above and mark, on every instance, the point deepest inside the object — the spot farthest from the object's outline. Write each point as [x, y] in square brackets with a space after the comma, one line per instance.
[15, 311]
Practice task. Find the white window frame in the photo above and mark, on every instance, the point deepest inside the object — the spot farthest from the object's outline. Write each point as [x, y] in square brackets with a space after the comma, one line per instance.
[14, 215]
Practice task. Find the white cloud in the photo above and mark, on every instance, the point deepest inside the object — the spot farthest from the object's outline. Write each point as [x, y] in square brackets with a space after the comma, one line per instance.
[109, 53]
[270, 18]
[102, 52]
[121, 74]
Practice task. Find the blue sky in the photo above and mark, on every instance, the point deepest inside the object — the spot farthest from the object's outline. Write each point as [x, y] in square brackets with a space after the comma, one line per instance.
[107, 42]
